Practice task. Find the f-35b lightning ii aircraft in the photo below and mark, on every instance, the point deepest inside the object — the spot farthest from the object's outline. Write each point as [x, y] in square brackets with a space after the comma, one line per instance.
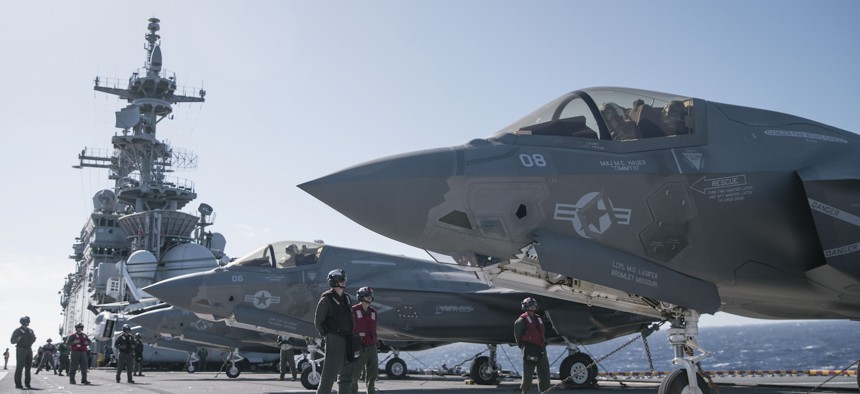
[421, 304]
[669, 203]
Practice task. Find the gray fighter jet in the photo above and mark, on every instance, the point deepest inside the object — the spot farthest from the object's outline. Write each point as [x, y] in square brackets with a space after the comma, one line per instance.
[671, 203]
[421, 304]
[183, 326]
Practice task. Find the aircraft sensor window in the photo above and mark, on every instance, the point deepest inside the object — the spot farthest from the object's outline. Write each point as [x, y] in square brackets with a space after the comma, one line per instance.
[457, 218]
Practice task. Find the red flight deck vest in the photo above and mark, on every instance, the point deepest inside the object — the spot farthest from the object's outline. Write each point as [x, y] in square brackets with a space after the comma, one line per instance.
[534, 334]
[80, 342]
[365, 324]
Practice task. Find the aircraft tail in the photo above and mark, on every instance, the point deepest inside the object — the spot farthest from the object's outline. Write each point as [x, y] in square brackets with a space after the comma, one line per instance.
[832, 192]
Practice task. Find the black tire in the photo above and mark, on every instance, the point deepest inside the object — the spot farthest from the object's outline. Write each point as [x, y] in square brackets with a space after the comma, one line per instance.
[482, 372]
[575, 366]
[310, 379]
[233, 371]
[677, 381]
[191, 368]
[303, 364]
[396, 368]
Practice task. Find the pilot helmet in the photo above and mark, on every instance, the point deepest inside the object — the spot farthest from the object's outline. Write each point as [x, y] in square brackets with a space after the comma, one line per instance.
[126, 328]
[80, 326]
[335, 277]
[529, 302]
[364, 292]
[24, 320]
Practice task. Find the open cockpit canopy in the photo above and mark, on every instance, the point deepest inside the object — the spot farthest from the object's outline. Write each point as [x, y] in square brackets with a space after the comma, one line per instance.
[609, 113]
[282, 254]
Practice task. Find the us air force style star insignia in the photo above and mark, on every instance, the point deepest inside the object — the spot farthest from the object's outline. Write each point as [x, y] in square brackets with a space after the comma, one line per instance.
[262, 299]
[592, 215]
[201, 325]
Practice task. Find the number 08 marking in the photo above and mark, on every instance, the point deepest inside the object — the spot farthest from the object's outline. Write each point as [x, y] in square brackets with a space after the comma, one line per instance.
[533, 160]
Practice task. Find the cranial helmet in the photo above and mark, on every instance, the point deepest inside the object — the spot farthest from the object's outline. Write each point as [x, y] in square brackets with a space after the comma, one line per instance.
[137, 335]
[364, 292]
[529, 302]
[79, 325]
[125, 328]
[24, 320]
[335, 277]
[49, 340]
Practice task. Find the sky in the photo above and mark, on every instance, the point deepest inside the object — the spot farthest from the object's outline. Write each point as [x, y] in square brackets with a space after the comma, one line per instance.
[300, 89]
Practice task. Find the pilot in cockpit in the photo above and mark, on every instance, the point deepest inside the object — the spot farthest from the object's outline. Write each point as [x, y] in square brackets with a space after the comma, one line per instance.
[291, 252]
[306, 256]
[620, 126]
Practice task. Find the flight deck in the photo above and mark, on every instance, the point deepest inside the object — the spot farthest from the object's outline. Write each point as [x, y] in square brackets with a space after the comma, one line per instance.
[250, 383]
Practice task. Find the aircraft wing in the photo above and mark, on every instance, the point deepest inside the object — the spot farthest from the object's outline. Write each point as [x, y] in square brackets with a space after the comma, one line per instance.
[616, 269]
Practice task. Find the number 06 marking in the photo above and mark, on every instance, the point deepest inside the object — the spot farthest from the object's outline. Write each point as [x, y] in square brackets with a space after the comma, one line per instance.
[533, 160]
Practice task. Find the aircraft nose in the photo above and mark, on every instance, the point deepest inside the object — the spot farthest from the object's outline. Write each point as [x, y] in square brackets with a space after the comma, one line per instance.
[178, 291]
[391, 196]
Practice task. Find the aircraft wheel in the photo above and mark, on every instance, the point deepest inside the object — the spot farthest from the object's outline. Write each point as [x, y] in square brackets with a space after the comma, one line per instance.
[191, 368]
[677, 383]
[303, 364]
[233, 371]
[395, 368]
[482, 372]
[575, 366]
[310, 379]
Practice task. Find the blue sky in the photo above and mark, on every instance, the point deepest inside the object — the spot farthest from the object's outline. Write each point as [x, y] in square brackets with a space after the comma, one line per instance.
[300, 89]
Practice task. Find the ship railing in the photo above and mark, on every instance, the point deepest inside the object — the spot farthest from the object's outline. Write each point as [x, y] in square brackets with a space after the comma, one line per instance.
[132, 181]
[121, 83]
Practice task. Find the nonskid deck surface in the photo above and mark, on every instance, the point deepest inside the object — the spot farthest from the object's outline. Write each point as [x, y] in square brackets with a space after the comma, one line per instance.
[103, 381]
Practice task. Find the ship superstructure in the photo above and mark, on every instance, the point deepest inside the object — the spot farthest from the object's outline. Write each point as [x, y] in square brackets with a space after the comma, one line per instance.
[136, 234]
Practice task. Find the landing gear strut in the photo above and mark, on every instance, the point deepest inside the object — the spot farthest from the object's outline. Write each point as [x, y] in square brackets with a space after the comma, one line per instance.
[233, 371]
[682, 336]
[485, 370]
[311, 375]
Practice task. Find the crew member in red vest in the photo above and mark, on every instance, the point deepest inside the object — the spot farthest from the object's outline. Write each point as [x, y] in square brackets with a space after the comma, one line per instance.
[80, 345]
[529, 332]
[364, 317]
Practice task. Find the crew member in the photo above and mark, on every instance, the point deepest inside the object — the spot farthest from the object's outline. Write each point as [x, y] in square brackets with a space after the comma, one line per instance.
[23, 338]
[364, 317]
[288, 360]
[124, 343]
[333, 320]
[79, 343]
[202, 353]
[138, 355]
[529, 332]
[47, 351]
[63, 350]
[6, 358]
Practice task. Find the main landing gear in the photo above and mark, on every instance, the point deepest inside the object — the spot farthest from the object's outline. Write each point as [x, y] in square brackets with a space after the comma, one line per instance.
[578, 369]
[485, 370]
[682, 336]
[396, 367]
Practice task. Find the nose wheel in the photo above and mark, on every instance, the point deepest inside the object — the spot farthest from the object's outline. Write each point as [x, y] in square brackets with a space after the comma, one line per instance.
[485, 370]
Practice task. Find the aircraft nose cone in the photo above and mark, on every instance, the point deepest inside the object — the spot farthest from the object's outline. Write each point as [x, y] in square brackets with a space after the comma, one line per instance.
[391, 196]
[178, 291]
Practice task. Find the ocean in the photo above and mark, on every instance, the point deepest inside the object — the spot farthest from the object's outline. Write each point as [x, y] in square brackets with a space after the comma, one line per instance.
[775, 346]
